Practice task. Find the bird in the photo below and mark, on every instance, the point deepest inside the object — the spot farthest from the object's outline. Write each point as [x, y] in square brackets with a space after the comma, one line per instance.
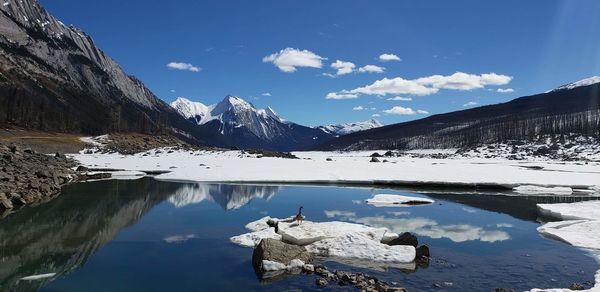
[299, 217]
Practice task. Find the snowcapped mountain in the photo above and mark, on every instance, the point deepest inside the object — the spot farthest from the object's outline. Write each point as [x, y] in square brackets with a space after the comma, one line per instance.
[348, 128]
[243, 125]
[584, 82]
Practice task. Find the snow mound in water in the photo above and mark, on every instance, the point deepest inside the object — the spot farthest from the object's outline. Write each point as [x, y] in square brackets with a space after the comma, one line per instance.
[536, 190]
[252, 239]
[38, 277]
[580, 229]
[309, 232]
[384, 200]
[272, 266]
[580, 233]
[589, 210]
[341, 240]
[362, 246]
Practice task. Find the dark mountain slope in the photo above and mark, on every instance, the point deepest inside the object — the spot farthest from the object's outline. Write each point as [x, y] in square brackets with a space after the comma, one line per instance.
[53, 77]
[567, 110]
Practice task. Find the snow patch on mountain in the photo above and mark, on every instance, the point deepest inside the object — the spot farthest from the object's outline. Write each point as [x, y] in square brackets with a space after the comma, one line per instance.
[584, 82]
[348, 128]
[232, 113]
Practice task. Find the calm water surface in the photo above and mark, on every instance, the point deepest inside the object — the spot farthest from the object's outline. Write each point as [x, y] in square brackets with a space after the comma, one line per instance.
[159, 236]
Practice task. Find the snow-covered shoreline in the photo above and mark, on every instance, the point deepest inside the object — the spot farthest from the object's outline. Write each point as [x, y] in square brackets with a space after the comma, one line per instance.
[579, 227]
[351, 168]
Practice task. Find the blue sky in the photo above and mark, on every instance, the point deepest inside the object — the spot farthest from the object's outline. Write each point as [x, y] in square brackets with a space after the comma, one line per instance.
[530, 46]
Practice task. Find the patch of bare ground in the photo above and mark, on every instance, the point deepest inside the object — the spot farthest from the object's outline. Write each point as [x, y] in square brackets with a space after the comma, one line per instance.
[41, 142]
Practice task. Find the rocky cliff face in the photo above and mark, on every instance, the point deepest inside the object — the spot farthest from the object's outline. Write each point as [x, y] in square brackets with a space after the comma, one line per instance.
[54, 77]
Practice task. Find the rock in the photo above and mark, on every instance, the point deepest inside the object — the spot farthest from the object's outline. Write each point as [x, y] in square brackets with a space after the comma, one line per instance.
[7, 157]
[375, 154]
[278, 251]
[321, 282]
[503, 290]
[328, 159]
[42, 173]
[13, 148]
[405, 238]
[423, 252]
[58, 155]
[576, 286]
[95, 175]
[5, 203]
[82, 168]
[374, 159]
[388, 154]
[308, 268]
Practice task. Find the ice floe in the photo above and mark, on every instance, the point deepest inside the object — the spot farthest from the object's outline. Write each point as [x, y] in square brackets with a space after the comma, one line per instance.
[580, 228]
[271, 266]
[580, 233]
[589, 210]
[385, 200]
[539, 190]
[252, 239]
[362, 246]
[179, 238]
[336, 240]
[38, 277]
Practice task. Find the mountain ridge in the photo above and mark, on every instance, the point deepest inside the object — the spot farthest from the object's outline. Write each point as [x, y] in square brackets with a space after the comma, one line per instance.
[53, 77]
[569, 110]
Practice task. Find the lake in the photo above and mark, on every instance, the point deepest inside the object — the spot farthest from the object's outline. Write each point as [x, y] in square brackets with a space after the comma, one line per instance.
[149, 235]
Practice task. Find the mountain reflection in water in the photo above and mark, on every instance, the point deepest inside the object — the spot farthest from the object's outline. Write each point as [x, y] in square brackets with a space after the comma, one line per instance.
[59, 236]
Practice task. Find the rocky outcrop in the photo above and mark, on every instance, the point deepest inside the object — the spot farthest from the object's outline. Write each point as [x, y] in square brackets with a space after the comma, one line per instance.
[272, 251]
[405, 238]
[27, 177]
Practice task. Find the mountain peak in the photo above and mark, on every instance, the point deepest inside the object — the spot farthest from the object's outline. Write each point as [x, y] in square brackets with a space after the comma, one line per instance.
[584, 82]
[348, 128]
[190, 109]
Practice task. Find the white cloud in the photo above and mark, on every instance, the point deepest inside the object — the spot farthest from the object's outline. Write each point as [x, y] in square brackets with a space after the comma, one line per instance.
[266, 94]
[376, 115]
[371, 69]
[398, 110]
[342, 67]
[341, 95]
[470, 103]
[505, 90]
[463, 81]
[389, 57]
[183, 66]
[394, 86]
[172, 91]
[288, 59]
[431, 84]
[358, 108]
[422, 112]
[400, 98]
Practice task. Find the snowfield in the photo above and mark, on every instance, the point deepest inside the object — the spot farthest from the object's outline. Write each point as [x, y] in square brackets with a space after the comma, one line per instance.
[353, 167]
